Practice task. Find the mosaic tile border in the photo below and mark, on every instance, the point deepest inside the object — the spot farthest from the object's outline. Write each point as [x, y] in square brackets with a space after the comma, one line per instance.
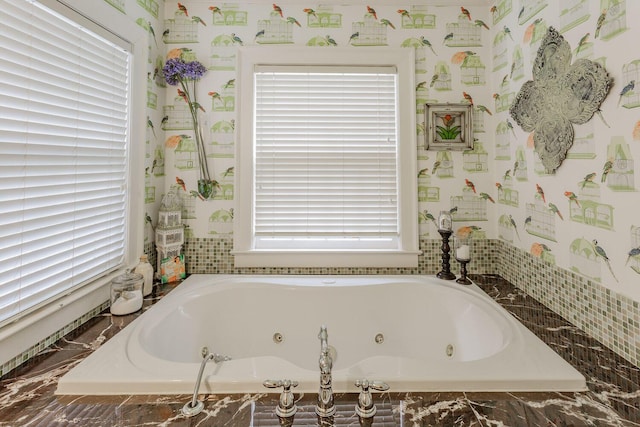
[611, 318]
[213, 256]
[43, 344]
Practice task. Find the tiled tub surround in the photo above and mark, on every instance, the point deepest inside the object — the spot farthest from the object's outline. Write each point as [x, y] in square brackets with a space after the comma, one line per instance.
[417, 333]
[612, 400]
[611, 318]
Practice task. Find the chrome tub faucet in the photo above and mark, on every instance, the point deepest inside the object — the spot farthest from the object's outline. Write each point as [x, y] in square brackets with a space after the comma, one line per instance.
[325, 406]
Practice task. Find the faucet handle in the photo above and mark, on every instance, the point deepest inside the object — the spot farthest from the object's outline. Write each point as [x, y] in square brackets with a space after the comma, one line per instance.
[365, 407]
[286, 405]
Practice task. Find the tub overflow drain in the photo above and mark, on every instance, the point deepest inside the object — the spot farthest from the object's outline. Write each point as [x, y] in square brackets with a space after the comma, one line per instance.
[379, 339]
[449, 350]
[278, 338]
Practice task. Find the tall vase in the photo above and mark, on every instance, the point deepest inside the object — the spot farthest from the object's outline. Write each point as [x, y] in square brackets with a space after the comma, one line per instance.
[206, 185]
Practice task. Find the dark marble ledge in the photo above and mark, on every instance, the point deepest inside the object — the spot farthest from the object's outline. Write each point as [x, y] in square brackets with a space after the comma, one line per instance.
[613, 399]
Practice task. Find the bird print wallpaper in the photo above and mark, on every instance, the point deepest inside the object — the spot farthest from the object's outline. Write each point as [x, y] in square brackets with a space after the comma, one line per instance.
[581, 217]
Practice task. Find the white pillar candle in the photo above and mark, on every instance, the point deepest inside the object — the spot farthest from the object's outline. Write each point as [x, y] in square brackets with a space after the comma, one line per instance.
[463, 252]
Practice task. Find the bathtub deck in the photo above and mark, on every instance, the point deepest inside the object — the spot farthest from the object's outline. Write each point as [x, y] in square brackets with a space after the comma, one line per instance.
[26, 394]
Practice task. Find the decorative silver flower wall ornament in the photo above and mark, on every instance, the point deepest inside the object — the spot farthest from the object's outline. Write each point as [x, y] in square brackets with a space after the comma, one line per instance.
[561, 94]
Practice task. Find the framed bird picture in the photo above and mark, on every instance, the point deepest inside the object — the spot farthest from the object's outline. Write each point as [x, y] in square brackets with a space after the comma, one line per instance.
[448, 126]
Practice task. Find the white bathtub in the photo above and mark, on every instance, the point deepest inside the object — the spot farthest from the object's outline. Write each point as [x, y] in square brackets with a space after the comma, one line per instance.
[436, 336]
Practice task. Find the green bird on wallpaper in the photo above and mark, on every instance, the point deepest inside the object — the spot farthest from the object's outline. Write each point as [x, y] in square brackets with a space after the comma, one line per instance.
[600, 22]
[435, 167]
[608, 165]
[515, 227]
[481, 23]
[293, 20]
[602, 254]
[428, 44]
[632, 253]
[198, 20]
[588, 178]
[582, 41]
[485, 196]
[387, 23]
[553, 208]
[484, 109]
[426, 215]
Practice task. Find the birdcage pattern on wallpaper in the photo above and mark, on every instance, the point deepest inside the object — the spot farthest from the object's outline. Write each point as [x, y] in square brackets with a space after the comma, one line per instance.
[152, 96]
[541, 221]
[616, 20]
[157, 166]
[275, 30]
[621, 176]
[464, 33]
[502, 9]
[472, 71]
[418, 17]
[185, 154]
[630, 73]
[584, 144]
[230, 15]
[443, 80]
[517, 64]
[591, 212]
[478, 120]
[149, 189]
[150, 6]
[223, 54]
[426, 191]
[188, 203]
[506, 231]
[324, 17]
[222, 139]
[573, 13]
[444, 160]
[500, 51]
[584, 260]
[538, 167]
[224, 100]
[221, 222]
[503, 141]
[369, 32]
[180, 29]
[177, 116]
[505, 97]
[475, 160]
[509, 196]
[470, 207]
[520, 166]
[529, 8]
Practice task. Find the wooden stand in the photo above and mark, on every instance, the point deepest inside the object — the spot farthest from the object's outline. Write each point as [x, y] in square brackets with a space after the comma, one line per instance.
[446, 273]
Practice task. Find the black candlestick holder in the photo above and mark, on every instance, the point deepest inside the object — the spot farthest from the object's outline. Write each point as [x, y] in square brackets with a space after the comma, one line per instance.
[445, 273]
[463, 272]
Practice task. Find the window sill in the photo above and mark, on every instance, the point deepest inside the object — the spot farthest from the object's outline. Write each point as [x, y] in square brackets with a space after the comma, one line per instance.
[297, 258]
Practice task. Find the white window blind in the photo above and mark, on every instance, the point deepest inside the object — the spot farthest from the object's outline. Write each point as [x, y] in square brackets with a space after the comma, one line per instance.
[63, 138]
[326, 157]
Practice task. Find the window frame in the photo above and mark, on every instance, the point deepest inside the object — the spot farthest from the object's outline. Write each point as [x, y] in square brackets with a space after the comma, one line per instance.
[245, 252]
[51, 316]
